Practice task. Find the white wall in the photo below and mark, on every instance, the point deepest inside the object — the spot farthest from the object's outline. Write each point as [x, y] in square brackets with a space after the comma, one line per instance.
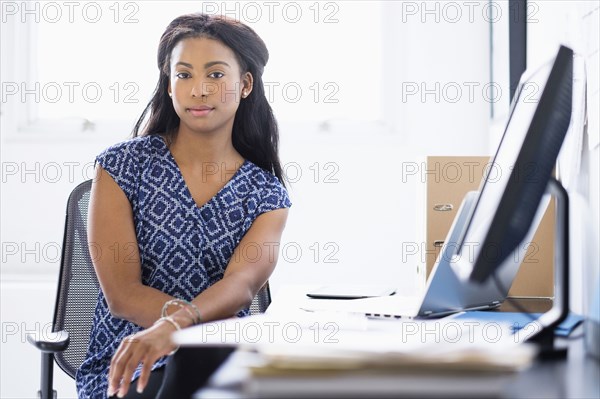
[366, 216]
[437, 70]
[576, 25]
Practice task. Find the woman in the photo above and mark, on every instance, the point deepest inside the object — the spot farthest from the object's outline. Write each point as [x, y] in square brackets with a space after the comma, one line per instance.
[172, 209]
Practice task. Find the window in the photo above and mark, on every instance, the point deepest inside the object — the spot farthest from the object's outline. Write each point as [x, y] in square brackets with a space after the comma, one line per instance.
[94, 61]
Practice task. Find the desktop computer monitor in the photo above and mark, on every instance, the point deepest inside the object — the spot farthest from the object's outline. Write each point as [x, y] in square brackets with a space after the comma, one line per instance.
[511, 196]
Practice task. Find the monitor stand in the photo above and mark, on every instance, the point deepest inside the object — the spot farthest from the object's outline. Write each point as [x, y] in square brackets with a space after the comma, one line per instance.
[545, 337]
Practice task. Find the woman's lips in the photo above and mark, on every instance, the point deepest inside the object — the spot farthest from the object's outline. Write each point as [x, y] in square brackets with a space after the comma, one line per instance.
[199, 111]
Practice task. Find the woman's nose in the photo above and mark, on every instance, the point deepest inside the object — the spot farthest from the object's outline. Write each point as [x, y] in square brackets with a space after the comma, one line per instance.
[204, 89]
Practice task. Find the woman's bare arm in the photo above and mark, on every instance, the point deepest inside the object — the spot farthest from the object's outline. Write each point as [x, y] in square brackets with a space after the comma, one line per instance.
[114, 248]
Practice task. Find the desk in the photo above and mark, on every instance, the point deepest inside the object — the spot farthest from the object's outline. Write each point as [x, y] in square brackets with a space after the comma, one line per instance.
[576, 377]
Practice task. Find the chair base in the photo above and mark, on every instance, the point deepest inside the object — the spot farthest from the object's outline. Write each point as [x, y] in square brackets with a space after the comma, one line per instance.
[54, 395]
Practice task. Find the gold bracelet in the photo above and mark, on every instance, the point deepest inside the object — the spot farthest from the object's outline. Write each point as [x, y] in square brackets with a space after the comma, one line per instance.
[191, 304]
[182, 303]
[176, 302]
[170, 320]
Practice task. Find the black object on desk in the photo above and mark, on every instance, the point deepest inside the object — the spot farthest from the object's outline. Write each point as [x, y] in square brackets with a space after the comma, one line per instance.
[515, 206]
[189, 369]
[560, 310]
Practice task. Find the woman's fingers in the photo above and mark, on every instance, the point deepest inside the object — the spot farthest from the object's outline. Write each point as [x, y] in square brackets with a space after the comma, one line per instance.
[117, 363]
[144, 347]
[128, 370]
[144, 374]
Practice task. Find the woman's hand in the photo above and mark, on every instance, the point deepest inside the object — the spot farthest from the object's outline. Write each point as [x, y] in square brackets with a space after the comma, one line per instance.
[145, 347]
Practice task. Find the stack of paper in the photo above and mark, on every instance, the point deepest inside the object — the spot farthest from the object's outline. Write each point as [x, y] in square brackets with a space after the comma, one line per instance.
[382, 363]
[464, 372]
[286, 359]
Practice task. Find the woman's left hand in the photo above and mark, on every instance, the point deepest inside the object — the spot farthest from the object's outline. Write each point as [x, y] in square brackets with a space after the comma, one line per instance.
[144, 347]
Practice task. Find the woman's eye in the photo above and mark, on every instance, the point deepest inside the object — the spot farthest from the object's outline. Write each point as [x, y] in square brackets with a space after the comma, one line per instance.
[216, 75]
[182, 75]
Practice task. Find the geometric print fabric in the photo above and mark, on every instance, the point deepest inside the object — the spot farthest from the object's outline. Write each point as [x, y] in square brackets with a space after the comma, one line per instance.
[183, 248]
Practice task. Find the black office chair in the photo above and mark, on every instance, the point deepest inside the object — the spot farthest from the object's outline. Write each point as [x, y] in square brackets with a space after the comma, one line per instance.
[77, 296]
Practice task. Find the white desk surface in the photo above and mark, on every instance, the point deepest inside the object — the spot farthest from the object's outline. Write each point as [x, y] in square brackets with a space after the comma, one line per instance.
[286, 322]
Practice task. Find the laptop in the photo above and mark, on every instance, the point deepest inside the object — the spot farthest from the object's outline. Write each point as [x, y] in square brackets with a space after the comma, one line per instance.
[448, 290]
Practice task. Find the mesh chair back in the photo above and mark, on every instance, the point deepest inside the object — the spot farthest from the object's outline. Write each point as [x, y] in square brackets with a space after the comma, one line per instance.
[261, 301]
[78, 285]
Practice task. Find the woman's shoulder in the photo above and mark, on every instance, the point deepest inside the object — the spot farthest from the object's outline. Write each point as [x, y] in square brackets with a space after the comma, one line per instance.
[134, 146]
[137, 148]
[125, 160]
[261, 178]
[272, 191]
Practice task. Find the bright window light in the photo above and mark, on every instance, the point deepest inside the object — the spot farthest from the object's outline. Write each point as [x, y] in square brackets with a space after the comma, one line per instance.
[97, 60]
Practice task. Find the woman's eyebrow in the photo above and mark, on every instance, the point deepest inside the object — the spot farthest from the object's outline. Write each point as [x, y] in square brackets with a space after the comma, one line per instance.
[185, 64]
[206, 66]
[209, 64]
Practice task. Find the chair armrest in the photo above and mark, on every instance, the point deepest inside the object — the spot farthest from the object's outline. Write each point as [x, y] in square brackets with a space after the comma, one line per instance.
[50, 342]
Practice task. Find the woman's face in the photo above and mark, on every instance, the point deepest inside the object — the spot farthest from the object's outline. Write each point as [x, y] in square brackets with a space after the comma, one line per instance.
[206, 85]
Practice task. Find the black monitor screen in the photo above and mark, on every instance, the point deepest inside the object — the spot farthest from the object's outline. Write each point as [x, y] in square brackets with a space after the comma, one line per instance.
[517, 178]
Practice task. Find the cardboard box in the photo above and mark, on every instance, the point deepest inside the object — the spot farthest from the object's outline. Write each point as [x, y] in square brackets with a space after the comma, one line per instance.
[448, 180]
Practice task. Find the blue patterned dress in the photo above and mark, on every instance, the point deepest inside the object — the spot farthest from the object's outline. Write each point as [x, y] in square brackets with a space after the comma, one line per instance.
[183, 248]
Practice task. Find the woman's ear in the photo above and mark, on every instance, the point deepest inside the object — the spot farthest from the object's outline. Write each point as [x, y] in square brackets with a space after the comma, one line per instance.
[247, 84]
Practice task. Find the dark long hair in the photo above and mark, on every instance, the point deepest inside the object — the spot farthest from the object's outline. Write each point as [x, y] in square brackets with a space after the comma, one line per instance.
[255, 133]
